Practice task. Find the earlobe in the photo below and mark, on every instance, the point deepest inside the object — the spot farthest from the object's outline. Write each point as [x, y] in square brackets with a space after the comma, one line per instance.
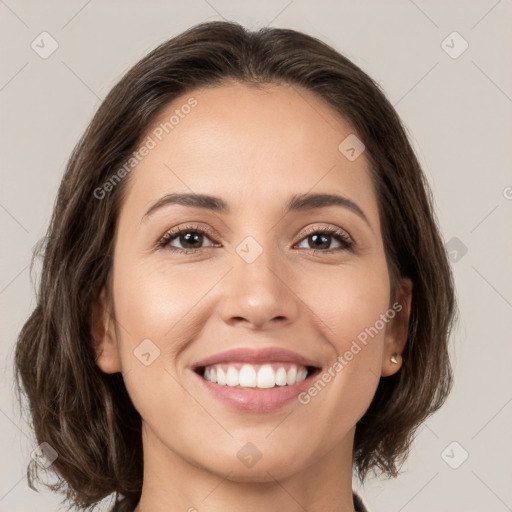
[397, 330]
[103, 336]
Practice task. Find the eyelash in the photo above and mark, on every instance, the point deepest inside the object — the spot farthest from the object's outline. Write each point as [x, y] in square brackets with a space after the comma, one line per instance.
[342, 237]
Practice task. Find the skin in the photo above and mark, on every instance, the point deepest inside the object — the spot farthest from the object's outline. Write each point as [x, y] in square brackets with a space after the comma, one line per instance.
[254, 148]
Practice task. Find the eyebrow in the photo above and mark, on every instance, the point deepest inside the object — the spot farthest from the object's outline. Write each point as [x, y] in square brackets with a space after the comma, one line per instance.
[298, 202]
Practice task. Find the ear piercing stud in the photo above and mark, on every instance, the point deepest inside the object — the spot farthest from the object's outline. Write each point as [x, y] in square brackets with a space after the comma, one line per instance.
[394, 357]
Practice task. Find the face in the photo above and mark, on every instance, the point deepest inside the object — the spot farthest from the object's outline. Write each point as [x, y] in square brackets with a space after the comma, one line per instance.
[292, 290]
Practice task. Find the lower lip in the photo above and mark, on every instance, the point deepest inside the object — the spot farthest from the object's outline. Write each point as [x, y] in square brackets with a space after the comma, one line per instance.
[255, 399]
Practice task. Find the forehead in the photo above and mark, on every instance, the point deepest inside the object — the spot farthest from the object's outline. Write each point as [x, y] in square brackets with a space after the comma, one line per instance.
[251, 144]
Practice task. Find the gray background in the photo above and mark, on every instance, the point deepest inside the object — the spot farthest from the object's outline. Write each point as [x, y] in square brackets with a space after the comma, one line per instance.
[457, 111]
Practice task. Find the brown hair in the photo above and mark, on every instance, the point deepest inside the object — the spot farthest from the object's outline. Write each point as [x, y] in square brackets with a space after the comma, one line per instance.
[86, 415]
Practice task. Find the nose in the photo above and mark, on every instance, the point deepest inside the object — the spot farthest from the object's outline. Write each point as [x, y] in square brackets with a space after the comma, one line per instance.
[259, 294]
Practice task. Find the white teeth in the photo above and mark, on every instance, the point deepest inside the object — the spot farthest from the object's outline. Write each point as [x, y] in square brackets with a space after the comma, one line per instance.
[221, 377]
[281, 377]
[302, 375]
[292, 376]
[266, 377]
[249, 376]
[232, 377]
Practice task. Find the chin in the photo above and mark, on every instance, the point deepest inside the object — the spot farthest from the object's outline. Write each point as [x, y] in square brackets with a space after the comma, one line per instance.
[266, 469]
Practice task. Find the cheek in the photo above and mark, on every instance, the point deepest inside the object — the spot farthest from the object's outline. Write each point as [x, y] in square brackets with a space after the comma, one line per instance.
[351, 307]
[347, 300]
[156, 301]
[155, 313]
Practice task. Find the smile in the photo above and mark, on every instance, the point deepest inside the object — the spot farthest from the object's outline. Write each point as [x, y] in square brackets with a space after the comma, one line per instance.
[255, 380]
[261, 376]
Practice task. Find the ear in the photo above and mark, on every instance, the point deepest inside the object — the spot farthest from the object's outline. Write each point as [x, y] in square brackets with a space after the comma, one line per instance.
[397, 328]
[104, 336]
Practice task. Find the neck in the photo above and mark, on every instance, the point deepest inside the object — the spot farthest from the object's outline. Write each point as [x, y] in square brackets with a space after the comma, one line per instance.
[173, 484]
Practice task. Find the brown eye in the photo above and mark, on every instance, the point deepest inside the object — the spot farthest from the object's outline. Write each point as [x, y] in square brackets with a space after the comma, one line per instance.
[321, 240]
[190, 238]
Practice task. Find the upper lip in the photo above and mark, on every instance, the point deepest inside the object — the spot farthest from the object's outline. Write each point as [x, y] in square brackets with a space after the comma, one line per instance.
[260, 355]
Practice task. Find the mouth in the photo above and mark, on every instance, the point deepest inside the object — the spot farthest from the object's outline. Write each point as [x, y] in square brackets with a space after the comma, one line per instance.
[269, 375]
[259, 380]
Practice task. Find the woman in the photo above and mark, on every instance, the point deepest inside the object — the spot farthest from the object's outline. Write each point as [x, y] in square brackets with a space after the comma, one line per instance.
[245, 295]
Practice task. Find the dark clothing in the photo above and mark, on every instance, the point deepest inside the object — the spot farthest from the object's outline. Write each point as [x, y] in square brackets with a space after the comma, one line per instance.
[359, 506]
